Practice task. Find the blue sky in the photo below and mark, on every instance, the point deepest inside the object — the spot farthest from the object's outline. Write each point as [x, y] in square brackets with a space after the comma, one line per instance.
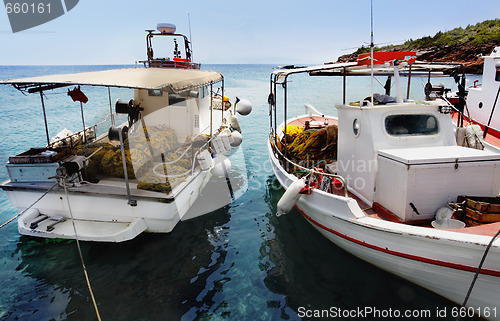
[233, 31]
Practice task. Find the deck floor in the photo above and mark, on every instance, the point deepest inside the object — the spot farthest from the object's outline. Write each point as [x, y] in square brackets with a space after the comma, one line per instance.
[112, 187]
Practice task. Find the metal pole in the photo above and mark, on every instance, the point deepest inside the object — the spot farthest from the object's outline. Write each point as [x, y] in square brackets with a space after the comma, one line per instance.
[83, 121]
[111, 108]
[45, 119]
[190, 40]
[371, 49]
[461, 101]
[344, 85]
[223, 103]
[285, 115]
[275, 111]
[211, 107]
[131, 201]
[409, 81]
[491, 115]
[269, 100]
[275, 107]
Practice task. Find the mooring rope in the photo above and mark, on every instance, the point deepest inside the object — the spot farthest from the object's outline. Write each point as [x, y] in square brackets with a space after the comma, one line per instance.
[80, 252]
[76, 238]
[476, 275]
[22, 212]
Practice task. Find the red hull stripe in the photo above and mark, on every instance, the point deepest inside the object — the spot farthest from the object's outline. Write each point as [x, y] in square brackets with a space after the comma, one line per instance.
[404, 255]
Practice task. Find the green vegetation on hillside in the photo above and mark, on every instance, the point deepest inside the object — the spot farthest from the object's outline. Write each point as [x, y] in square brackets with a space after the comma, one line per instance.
[481, 33]
[478, 34]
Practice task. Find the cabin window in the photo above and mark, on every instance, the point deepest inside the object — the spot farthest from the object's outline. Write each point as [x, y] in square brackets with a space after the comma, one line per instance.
[411, 124]
[497, 74]
[355, 127]
[177, 99]
[204, 92]
[155, 92]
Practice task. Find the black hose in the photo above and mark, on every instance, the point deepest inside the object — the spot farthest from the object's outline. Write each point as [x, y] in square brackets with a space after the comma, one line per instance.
[479, 270]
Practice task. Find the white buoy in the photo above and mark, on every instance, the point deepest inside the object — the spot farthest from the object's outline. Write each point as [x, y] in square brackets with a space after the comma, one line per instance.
[244, 107]
[205, 160]
[233, 121]
[222, 166]
[291, 196]
[236, 138]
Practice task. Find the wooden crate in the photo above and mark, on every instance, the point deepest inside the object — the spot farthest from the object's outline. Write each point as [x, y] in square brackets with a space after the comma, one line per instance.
[470, 222]
[481, 216]
[35, 156]
[483, 209]
[484, 204]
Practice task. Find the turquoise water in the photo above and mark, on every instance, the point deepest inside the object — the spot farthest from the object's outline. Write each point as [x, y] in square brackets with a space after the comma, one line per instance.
[238, 263]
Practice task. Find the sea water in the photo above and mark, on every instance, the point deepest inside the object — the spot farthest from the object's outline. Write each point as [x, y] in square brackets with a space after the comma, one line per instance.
[240, 262]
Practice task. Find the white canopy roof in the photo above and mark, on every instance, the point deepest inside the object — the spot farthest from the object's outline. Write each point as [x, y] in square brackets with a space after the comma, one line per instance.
[171, 80]
[354, 69]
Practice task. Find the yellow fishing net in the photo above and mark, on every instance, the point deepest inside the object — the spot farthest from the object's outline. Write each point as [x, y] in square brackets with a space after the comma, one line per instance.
[312, 144]
[143, 152]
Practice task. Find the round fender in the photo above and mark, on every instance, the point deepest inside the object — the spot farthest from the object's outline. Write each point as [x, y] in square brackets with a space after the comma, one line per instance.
[291, 196]
[244, 107]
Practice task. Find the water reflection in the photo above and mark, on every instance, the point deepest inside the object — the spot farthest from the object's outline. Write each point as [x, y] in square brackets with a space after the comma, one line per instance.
[313, 273]
[154, 277]
[180, 275]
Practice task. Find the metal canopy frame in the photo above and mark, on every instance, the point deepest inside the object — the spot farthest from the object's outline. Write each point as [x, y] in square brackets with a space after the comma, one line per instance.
[280, 77]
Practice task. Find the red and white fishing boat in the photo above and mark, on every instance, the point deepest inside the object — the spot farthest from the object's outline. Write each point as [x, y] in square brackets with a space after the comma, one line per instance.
[388, 183]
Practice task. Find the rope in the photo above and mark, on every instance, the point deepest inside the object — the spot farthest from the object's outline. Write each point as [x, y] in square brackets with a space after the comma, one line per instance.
[76, 238]
[22, 212]
[81, 255]
[479, 269]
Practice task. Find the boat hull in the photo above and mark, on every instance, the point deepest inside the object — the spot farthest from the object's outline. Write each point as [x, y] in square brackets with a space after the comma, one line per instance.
[86, 206]
[441, 261]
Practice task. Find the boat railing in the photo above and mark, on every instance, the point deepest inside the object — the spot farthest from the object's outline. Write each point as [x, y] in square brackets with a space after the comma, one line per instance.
[166, 63]
[310, 170]
[80, 137]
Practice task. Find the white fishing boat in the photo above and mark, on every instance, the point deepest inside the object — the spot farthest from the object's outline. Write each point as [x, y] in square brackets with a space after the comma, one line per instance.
[387, 182]
[142, 175]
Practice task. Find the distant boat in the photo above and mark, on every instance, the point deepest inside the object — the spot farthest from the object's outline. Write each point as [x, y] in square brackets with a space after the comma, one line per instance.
[387, 182]
[143, 175]
[483, 100]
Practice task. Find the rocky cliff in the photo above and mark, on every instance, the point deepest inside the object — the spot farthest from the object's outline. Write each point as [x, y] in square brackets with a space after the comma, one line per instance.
[464, 45]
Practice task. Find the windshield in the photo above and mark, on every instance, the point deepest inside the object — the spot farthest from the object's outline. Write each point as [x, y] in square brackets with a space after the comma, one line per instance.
[411, 124]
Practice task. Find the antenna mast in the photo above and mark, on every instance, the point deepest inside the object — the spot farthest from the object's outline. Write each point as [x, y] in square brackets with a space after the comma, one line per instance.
[190, 37]
[371, 47]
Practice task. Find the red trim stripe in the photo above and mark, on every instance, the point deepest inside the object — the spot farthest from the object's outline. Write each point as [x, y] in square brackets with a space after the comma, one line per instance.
[404, 255]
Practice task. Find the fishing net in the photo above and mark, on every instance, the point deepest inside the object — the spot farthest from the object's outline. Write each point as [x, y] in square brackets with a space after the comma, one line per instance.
[311, 144]
[153, 157]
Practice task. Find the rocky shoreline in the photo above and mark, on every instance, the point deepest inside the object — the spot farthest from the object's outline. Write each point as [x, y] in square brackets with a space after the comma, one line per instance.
[467, 54]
